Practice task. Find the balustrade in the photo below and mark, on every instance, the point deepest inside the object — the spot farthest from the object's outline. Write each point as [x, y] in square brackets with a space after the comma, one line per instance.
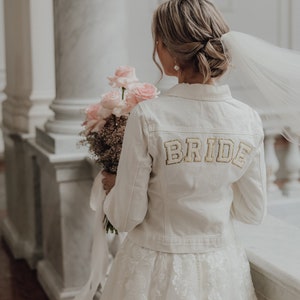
[283, 166]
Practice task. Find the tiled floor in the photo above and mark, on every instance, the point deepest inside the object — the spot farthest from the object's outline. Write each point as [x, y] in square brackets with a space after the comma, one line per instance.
[17, 280]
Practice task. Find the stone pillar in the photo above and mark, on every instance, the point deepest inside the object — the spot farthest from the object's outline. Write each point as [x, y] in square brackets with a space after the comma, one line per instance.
[292, 164]
[272, 166]
[2, 74]
[90, 42]
[67, 222]
[30, 89]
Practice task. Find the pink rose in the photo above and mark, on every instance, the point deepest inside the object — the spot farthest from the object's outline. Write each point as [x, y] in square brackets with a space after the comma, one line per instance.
[92, 110]
[111, 99]
[131, 99]
[95, 117]
[124, 76]
[142, 91]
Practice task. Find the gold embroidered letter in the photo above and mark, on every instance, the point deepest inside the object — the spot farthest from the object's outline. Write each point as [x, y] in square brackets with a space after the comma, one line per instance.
[240, 158]
[210, 149]
[225, 153]
[193, 150]
[174, 152]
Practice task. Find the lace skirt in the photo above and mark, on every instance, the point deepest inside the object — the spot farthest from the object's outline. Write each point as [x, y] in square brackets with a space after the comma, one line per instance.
[142, 274]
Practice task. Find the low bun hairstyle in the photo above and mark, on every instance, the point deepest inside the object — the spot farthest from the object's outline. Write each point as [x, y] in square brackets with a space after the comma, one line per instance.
[191, 30]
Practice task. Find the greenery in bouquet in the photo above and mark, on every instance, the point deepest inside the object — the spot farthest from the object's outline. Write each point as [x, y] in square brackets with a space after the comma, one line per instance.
[105, 121]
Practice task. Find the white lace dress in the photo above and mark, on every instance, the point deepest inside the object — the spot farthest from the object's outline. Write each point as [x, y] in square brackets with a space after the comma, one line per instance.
[143, 274]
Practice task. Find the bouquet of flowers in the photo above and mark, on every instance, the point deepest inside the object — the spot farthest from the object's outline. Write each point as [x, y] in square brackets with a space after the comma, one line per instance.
[105, 121]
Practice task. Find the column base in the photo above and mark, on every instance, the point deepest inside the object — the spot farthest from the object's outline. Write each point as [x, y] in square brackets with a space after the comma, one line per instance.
[12, 239]
[48, 278]
[67, 221]
[19, 248]
[59, 143]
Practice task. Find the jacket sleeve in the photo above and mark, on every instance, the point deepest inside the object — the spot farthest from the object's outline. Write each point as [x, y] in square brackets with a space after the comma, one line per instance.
[250, 194]
[126, 204]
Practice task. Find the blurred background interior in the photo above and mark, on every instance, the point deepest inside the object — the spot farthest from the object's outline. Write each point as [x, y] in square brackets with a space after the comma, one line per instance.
[55, 56]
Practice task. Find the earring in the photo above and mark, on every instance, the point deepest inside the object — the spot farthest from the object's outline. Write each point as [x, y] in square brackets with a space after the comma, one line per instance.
[176, 68]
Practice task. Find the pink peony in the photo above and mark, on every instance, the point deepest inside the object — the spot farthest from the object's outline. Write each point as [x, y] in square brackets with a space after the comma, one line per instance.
[142, 91]
[124, 76]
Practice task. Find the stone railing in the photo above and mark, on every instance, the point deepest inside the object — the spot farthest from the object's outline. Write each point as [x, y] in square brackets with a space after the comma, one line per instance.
[273, 252]
[273, 246]
[283, 165]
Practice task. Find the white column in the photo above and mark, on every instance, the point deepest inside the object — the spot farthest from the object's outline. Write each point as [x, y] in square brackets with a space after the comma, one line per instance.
[30, 89]
[67, 223]
[2, 74]
[30, 71]
[90, 42]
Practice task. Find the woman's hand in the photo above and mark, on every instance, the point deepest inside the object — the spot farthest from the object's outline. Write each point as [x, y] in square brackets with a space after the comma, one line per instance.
[108, 181]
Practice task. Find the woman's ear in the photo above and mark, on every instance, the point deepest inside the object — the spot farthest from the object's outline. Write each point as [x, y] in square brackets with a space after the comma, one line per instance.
[167, 60]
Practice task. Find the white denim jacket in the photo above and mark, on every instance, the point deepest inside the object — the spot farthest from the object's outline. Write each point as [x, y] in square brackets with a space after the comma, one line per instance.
[192, 160]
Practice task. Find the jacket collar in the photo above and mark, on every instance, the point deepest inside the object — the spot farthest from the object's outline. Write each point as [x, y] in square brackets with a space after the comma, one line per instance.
[204, 92]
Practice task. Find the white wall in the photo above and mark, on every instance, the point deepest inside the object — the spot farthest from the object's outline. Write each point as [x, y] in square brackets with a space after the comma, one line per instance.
[276, 21]
[140, 37]
[295, 24]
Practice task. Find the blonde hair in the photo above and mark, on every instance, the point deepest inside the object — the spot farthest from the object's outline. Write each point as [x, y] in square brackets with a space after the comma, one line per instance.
[191, 30]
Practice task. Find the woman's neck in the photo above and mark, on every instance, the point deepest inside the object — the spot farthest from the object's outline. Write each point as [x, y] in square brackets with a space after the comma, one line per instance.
[191, 77]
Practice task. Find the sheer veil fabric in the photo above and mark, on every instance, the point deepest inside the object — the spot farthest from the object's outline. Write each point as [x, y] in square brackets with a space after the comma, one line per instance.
[271, 77]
